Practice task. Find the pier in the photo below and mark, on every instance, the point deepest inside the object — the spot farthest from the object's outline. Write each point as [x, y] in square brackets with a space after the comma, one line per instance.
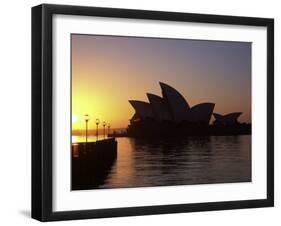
[91, 162]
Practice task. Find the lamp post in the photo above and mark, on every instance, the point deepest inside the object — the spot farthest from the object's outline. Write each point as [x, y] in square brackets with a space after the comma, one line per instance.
[87, 118]
[104, 124]
[108, 128]
[97, 130]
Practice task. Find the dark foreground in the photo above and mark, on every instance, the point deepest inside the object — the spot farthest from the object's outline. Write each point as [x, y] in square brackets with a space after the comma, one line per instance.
[91, 163]
[156, 130]
[153, 129]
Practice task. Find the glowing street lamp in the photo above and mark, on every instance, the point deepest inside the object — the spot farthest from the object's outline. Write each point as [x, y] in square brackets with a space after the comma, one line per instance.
[104, 124]
[87, 118]
[97, 130]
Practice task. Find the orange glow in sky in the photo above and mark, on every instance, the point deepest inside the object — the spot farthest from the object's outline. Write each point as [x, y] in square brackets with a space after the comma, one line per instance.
[108, 71]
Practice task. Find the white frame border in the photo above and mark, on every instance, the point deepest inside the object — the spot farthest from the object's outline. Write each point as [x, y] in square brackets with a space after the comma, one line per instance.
[64, 199]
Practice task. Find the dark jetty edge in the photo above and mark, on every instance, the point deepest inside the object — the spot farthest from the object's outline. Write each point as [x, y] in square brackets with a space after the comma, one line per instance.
[91, 163]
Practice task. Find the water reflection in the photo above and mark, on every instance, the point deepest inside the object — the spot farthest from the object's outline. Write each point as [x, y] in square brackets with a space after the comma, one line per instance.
[195, 160]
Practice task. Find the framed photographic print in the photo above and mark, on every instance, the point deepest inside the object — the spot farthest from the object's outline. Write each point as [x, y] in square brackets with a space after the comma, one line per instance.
[145, 112]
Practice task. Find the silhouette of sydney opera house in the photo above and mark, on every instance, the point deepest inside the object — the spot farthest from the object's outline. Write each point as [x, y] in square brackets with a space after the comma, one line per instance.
[171, 114]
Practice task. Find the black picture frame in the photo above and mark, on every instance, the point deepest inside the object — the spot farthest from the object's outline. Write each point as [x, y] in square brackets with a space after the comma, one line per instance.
[42, 106]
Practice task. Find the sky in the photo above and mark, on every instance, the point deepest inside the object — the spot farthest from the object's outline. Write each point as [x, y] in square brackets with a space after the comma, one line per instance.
[107, 71]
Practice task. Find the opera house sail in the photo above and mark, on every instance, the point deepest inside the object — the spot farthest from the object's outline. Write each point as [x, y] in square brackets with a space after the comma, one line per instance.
[229, 119]
[143, 109]
[171, 114]
[178, 106]
[159, 107]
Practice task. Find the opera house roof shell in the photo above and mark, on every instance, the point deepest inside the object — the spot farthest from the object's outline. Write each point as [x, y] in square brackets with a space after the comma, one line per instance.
[228, 119]
[171, 107]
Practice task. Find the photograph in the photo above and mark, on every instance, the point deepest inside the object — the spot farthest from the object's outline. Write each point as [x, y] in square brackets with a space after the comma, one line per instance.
[150, 111]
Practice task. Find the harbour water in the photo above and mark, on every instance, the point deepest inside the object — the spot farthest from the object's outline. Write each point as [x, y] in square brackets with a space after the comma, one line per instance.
[194, 160]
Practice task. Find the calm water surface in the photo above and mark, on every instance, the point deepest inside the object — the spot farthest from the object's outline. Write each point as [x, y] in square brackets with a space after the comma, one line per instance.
[194, 160]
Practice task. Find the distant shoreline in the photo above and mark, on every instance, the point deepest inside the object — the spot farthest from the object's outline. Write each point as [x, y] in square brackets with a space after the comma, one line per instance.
[92, 132]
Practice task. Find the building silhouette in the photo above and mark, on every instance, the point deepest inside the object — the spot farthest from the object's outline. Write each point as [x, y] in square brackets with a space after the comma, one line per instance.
[171, 107]
[171, 113]
[227, 120]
